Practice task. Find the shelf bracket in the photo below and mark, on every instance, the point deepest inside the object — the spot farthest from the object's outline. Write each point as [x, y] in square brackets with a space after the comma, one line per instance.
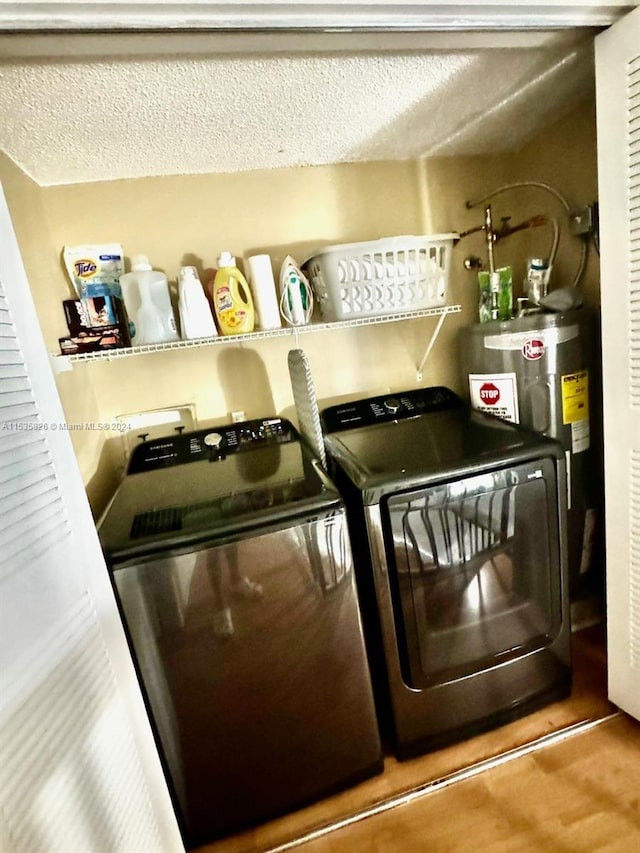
[427, 352]
[60, 363]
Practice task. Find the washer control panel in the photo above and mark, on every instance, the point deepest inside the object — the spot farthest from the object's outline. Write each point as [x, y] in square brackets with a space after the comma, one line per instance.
[212, 444]
[396, 406]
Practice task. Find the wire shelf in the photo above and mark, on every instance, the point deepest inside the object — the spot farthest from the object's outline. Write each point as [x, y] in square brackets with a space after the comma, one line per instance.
[221, 340]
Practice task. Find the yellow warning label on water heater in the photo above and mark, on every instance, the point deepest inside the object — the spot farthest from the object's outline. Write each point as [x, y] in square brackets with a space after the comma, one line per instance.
[575, 397]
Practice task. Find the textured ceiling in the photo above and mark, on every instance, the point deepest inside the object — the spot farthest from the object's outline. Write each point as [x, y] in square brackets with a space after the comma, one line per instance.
[68, 120]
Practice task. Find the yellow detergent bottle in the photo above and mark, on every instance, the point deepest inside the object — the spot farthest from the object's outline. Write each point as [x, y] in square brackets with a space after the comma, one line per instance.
[232, 300]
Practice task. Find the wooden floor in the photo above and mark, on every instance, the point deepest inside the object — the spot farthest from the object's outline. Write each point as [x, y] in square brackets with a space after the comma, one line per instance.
[582, 793]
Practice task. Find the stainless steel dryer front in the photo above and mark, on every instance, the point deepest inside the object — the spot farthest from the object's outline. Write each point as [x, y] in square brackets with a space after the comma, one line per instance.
[458, 526]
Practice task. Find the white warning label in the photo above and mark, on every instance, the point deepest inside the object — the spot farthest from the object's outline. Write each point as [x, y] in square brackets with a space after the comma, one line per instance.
[495, 393]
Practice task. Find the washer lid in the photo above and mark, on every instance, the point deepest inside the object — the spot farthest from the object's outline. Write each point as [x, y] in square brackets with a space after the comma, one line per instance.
[256, 482]
[428, 446]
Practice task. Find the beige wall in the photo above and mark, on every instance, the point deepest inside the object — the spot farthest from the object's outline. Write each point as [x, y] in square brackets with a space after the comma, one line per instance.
[190, 219]
[25, 200]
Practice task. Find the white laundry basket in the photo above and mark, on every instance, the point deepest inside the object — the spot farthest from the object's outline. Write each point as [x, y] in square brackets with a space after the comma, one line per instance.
[389, 276]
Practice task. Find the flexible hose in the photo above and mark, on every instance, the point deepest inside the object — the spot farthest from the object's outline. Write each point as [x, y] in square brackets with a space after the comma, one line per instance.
[540, 185]
[520, 185]
[556, 240]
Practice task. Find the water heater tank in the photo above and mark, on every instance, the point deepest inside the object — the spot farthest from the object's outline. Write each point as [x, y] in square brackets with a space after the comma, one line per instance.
[540, 371]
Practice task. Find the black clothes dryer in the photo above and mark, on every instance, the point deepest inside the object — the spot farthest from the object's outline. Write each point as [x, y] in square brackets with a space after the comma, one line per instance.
[458, 526]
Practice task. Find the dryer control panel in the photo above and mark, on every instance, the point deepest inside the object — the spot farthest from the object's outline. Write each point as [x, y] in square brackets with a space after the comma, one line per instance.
[389, 407]
[212, 444]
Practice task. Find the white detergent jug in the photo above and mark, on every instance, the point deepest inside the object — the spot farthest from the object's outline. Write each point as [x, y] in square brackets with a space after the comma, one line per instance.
[196, 319]
[145, 292]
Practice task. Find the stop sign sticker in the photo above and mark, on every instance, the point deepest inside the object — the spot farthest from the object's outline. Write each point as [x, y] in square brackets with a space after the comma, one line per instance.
[489, 394]
[496, 394]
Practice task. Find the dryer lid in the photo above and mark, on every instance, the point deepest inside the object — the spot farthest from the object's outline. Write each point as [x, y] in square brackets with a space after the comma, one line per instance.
[425, 447]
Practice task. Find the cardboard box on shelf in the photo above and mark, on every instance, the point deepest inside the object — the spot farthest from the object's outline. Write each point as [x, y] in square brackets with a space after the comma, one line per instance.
[95, 340]
[94, 314]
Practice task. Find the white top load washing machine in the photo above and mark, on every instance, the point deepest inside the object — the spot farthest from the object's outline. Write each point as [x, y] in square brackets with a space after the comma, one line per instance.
[458, 527]
[231, 562]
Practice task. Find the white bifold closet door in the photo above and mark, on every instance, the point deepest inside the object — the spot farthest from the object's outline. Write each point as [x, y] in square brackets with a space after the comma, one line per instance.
[79, 770]
[618, 117]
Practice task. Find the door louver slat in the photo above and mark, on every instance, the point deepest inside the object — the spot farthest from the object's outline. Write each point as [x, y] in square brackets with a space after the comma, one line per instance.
[50, 510]
[9, 343]
[47, 535]
[17, 414]
[74, 662]
[12, 371]
[14, 440]
[634, 574]
[14, 384]
[617, 57]
[22, 501]
[12, 357]
[32, 515]
[14, 398]
[21, 463]
[633, 207]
